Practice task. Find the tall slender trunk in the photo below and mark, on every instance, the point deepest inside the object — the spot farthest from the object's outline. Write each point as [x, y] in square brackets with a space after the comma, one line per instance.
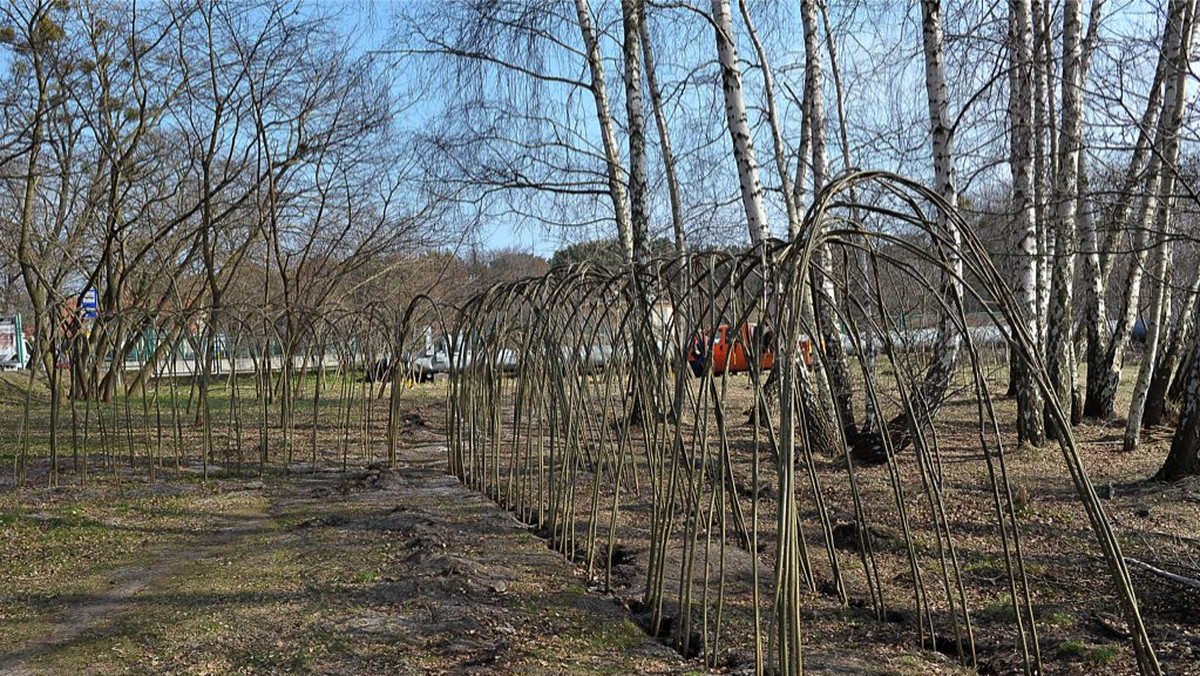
[1181, 21]
[945, 349]
[1021, 118]
[870, 421]
[1061, 361]
[776, 124]
[1180, 335]
[1106, 349]
[824, 293]
[739, 128]
[1184, 458]
[668, 159]
[1045, 150]
[27, 262]
[615, 170]
[664, 140]
[638, 171]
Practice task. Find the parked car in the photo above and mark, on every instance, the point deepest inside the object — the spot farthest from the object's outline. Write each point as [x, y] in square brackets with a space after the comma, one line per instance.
[439, 357]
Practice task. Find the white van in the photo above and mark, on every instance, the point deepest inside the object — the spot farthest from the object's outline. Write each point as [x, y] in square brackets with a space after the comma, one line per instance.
[14, 348]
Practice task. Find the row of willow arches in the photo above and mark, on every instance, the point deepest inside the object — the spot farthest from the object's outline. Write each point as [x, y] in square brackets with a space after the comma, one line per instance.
[239, 387]
[723, 507]
[577, 405]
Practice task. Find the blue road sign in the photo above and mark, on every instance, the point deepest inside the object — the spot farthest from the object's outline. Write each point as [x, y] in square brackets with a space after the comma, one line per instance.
[90, 304]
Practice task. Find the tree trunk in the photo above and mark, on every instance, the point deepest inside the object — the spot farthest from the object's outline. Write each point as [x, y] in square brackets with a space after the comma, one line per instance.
[1180, 31]
[870, 420]
[638, 171]
[1106, 348]
[615, 171]
[1061, 361]
[1156, 396]
[789, 197]
[1021, 117]
[664, 140]
[1184, 458]
[945, 349]
[1178, 387]
[824, 293]
[1045, 150]
[931, 395]
[739, 128]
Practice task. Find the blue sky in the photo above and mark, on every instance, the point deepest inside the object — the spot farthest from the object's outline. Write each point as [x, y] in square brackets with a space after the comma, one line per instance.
[368, 25]
[887, 116]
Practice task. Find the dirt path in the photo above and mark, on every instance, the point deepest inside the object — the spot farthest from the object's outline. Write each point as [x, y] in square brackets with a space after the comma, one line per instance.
[91, 615]
[382, 572]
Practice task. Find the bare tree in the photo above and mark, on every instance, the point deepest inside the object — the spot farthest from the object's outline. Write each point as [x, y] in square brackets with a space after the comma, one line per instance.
[1021, 119]
[639, 179]
[664, 140]
[739, 128]
[945, 350]
[612, 156]
[1061, 358]
[1181, 21]
[1105, 347]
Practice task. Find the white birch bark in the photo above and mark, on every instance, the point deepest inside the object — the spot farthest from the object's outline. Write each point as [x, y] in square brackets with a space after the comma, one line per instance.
[1106, 354]
[798, 187]
[814, 95]
[739, 128]
[1135, 171]
[1061, 365]
[1095, 305]
[1154, 322]
[774, 122]
[937, 377]
[664, 141]
[1181, 26]
[1021, 118]
[1179, 332]
[837, 374]
[612, 153]
[639, 216]
[870, 421]
[1044, 151]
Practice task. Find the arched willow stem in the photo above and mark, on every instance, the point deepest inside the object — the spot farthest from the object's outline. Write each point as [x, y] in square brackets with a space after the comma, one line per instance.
[575, 403]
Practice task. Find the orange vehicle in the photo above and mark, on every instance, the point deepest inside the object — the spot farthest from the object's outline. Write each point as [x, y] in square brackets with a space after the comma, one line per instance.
[729, 351]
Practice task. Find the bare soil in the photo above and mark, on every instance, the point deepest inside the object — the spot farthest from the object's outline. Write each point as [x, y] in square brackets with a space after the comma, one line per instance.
[375, 572]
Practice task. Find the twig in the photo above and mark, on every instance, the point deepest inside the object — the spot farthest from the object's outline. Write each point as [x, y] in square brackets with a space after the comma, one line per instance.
[1177, 579]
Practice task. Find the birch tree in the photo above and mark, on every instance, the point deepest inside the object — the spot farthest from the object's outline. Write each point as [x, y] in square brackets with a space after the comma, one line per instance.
[1021, 120]
[664, 139]
[1183, 460]
[824, 295]
[739, 127]
[1181, 25]
[612, 155]
[1105, 347]
[1179, 335]
[1045, 153]
[1061, 357]
[639, 179]
[945, 349]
